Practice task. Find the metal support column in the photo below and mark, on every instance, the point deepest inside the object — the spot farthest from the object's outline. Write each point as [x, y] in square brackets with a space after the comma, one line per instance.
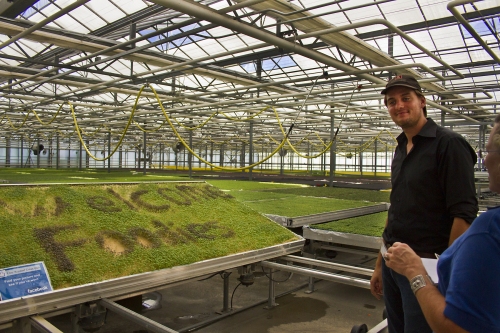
[333, 156]
[323, 166]
[310, 285]
[211, 154]
[22, 150]
[242, 155]
[80, 155]
[87, 157]
[282, 160]
[133, 28]
[120, 158]
[190, 156]
[386, 154]
[7, 152]
[23, 325]
[39, 152]
[69, 153]
[206, 154]
[221, 156]
[162, 156]
[144, 139]
[361, 158]
[50, 153]
[250, 151]
[109, 152]
[225, 305]
[271, 301]
[309, 162]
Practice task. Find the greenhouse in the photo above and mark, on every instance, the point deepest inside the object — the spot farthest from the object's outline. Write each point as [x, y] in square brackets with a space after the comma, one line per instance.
[159, 123]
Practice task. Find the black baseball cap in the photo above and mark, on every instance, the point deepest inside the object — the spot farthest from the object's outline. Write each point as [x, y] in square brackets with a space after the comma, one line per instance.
[404, 81]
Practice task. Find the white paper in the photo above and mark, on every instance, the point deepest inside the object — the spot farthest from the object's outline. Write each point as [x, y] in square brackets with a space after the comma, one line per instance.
[431, 268]
[383, 250]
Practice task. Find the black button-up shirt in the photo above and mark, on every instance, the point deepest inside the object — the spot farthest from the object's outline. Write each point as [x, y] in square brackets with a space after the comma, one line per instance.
[431, 185]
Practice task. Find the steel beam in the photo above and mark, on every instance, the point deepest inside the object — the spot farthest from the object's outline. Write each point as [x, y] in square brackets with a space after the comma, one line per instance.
[344, 279]
[299, 221]
[194, 9]
[42, 325]
[133, 285]
[145, 322]
[370, 242]
[326, 264]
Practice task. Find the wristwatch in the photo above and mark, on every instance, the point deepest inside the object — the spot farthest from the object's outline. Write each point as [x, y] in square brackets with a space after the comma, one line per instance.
[416, 283]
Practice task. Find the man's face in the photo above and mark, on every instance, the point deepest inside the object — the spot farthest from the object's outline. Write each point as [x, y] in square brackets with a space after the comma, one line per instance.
[405, 106]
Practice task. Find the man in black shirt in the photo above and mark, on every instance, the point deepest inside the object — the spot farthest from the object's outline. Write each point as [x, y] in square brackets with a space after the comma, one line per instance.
[433, 199]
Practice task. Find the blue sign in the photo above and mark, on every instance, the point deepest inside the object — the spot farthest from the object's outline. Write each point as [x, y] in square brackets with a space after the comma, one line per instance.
[24, 280]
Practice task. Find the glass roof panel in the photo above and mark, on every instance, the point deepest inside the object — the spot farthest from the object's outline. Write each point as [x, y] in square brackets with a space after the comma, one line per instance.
[361, 14]
[46, 10]
[337, 19]
[39, 5]
[68, 23]
[108, 23]
[29, 47]
[433, 9]
[402, 12]
[106, 10]
[92, 21]
[129, 6]
[38, 16]
[209, 46]
[231, 42]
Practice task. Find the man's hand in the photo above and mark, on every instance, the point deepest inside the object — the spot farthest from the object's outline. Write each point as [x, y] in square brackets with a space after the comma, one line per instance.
[403, 260]
[376, 286]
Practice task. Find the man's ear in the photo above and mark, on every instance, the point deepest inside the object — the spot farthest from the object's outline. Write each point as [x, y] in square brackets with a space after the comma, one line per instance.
[423, 101]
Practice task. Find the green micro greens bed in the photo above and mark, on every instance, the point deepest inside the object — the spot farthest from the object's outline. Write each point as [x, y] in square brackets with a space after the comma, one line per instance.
[293, 200]
[88, 233]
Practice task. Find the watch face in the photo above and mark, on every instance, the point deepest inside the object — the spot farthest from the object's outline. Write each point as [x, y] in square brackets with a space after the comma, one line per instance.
[417, 283]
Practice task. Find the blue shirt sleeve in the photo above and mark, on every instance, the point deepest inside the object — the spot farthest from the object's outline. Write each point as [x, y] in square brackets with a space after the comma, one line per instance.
[473, 293]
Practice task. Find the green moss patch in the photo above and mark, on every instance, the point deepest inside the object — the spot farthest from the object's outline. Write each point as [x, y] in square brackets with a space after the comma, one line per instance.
[301, 206]
[293, 200]
[369, 225]
[247, 196]
[246, 185]
[283, 189]
[90, 233]
[338, 193]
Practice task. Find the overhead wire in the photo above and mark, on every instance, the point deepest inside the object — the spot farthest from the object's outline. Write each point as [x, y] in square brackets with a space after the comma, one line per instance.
[281, 144]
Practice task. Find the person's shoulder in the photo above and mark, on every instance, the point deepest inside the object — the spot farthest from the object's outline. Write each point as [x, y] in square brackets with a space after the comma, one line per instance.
[439, 131]
[488, 222]
[451, 138]
[446, 132]
[492, 212]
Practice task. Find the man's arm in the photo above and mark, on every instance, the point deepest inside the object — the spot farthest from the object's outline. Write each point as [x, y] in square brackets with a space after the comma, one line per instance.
[459, 227]
[404, 261]
[376, 286]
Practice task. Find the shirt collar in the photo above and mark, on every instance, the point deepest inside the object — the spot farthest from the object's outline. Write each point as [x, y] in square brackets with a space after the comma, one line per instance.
[429, 130]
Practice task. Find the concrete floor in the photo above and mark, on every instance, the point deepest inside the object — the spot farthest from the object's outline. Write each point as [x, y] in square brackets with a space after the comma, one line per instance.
[196, 306]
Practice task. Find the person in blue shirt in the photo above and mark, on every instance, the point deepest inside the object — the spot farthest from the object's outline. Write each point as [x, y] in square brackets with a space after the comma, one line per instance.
[467, 297]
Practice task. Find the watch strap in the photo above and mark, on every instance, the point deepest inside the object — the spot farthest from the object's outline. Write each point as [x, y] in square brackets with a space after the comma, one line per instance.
[417, 283]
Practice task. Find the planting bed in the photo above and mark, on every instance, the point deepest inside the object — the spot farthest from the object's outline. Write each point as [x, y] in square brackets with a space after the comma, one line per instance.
[368, 225]
[94, 232]
[292, 200]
